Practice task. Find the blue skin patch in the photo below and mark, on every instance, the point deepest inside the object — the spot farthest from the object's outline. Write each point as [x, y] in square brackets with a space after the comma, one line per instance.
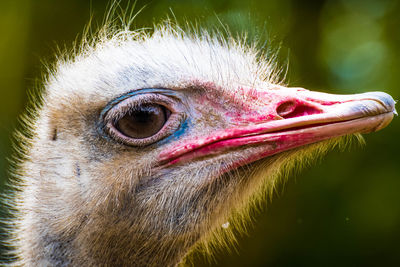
[177, 134]
[167, 92]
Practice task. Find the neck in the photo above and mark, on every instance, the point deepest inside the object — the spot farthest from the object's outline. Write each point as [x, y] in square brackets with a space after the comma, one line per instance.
[112, 242]
[122, 244]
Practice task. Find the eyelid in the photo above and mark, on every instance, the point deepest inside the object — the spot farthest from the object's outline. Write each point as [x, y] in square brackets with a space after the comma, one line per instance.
[119, 107]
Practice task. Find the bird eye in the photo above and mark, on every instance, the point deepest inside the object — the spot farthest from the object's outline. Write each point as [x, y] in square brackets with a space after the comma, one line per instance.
[143, 121]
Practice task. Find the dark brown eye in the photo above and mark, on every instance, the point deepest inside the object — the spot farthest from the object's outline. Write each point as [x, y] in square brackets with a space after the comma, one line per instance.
[143, 121]
[140, 119]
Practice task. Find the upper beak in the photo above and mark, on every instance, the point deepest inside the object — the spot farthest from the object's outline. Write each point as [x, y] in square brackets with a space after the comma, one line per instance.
[374, 109]
[297, 117]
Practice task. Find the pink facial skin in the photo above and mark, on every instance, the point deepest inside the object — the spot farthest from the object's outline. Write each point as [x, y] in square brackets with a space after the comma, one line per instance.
[287, 118]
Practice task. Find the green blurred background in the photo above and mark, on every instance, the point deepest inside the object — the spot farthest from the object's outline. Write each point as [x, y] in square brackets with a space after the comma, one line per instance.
[343, 211]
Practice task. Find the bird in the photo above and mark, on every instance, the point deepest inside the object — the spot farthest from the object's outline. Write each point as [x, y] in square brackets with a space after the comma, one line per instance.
[146, 145]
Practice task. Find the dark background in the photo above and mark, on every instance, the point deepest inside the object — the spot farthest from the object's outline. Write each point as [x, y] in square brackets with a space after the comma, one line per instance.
[343, 211]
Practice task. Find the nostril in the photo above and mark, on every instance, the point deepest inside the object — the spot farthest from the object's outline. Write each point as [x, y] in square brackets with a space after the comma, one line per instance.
[291, 109]
[285, 108]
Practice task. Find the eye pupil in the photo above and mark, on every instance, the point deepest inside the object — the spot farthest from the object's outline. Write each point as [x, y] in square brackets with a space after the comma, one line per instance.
[143, 121]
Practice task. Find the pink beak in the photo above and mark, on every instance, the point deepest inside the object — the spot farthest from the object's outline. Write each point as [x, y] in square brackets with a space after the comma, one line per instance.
[297, 117]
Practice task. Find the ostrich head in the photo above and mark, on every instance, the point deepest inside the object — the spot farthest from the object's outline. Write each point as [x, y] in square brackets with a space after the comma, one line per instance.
[147, 143]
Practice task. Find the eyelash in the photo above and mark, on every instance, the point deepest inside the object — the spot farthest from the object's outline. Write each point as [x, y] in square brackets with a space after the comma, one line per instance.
[120, 107]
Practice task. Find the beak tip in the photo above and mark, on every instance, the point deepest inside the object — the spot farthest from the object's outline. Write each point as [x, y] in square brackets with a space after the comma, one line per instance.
[385, 99]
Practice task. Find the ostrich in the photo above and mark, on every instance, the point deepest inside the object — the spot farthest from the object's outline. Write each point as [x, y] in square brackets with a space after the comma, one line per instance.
[146, 144]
